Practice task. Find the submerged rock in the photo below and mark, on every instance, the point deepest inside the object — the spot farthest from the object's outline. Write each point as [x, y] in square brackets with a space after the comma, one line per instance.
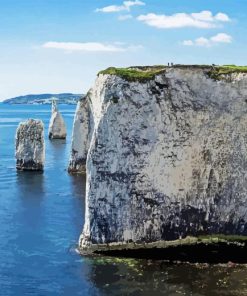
[57, 128]
[30, 146]
[80, 137]
[167, 158]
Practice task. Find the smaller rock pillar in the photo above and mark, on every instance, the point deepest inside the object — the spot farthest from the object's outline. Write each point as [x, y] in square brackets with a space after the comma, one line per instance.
[57, 127]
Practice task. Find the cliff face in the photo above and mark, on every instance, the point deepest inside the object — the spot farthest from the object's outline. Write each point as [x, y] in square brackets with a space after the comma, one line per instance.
[83, 124]
[167, 158]
[30, 146]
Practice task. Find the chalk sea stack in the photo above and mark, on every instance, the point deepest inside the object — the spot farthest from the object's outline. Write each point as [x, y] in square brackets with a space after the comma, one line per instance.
[80, 137]
[167, 160]
[30, 146]
[57, 128]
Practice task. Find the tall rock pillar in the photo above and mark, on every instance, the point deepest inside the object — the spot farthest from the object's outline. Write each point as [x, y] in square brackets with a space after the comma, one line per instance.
[30, 146]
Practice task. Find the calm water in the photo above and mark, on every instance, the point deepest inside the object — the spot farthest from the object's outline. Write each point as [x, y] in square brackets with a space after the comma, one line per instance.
[41, 217]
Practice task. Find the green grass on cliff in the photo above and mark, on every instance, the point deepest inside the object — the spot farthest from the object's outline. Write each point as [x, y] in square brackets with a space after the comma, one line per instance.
[218, 71]
[145, 73]
[235, 68]
[222, 237]
[141, 74]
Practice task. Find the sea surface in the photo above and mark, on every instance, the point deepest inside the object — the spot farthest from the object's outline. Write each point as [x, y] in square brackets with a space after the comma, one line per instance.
[42, 215]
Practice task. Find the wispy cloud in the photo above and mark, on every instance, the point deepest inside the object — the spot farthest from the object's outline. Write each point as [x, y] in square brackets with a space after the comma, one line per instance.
[204, 20]
[208, 42]
[90, 47]
[125, 17]
[126, 6]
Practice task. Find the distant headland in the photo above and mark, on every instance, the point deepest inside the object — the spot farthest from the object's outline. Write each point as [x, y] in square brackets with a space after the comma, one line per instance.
[42, 99]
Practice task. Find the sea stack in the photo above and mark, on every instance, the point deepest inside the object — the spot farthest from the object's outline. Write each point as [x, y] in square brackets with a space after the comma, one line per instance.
[30, 146]
[167, 159]
[57, 127]
[80, 137]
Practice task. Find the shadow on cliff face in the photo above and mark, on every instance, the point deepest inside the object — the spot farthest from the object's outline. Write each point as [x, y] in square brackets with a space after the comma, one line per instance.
[197, 253]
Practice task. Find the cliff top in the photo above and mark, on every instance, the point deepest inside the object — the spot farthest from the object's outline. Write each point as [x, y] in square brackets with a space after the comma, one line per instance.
[145, 73]
[140, 73]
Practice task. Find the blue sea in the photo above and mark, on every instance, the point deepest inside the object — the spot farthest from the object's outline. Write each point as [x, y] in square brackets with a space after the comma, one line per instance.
[41, 218]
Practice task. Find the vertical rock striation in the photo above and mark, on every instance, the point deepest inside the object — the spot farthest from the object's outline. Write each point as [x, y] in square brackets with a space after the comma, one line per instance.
[30, 146]
[57, 128]
[81, 137]
[167, 158]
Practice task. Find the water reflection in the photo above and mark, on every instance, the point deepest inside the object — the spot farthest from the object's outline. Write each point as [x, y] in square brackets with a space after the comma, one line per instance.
[78, 184]
[58, 144]
[115, 276]
[31, 188]
[56, 153]
[30, 184]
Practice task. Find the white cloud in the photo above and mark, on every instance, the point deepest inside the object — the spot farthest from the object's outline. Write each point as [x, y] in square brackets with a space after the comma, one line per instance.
[126, 6]
[202, 41]
[222, 17]
[90, 47]
[125, 17]
[111, 8]
[205, 16]
[222, 38]
[129, 4]
[208, 42]
[204, 20]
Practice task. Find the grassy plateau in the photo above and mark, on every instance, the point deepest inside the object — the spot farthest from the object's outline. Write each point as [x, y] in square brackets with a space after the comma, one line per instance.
[145, 73]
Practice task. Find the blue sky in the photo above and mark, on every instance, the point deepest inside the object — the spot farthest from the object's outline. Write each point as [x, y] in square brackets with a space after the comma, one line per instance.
[60, 45]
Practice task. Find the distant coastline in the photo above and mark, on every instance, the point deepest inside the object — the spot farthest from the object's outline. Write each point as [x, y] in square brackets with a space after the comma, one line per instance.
[44, 99]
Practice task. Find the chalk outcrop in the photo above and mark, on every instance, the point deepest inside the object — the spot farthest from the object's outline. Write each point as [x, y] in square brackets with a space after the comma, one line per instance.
[81, 137]
[167, 157]
[57, 127]
[30, 146]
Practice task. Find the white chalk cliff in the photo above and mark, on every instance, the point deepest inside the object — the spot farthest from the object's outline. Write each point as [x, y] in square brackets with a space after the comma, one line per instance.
[57, 127]
[30, 146]
[167, 157]
[80, 137]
